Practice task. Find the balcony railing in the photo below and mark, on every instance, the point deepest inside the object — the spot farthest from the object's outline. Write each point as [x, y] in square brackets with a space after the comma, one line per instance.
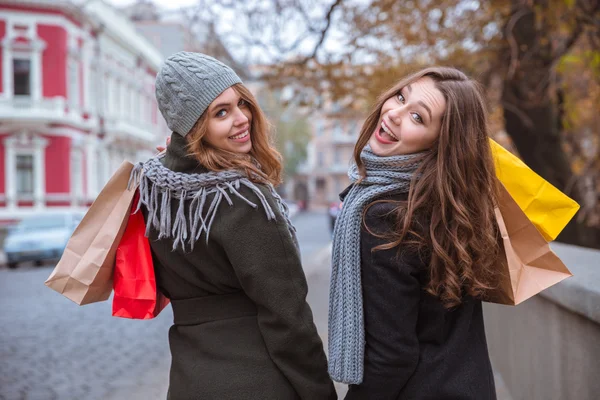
[56, 110]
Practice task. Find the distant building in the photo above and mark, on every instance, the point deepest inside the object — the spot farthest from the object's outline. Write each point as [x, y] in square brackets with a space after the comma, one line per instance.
[334, 132]
[165, 29]
[76, 99]
[324, 175]
[171, 31]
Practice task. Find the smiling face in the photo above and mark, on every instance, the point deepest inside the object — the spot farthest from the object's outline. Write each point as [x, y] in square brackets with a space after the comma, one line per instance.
[229, 120]
[410, 121]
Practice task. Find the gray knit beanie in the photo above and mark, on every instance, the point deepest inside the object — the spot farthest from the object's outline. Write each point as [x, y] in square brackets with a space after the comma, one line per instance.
[186, 85]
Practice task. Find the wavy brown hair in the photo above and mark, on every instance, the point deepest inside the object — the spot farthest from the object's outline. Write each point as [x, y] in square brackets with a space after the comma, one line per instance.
[455, 192]
[261, 164]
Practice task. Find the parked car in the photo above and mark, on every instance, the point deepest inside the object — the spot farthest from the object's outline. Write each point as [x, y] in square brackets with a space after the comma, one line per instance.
[40, 237]
[333, 211]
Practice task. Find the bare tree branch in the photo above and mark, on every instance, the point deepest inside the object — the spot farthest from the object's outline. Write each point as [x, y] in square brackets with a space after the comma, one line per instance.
[324, 31]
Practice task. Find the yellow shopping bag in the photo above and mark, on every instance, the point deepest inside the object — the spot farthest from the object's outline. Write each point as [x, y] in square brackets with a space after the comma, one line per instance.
[547, 208]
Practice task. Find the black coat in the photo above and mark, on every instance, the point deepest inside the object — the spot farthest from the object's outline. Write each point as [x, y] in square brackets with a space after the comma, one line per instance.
[415, 348]
[242, 328]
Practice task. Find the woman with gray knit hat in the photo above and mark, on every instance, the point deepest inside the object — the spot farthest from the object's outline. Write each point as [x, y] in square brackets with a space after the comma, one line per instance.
[224, 250]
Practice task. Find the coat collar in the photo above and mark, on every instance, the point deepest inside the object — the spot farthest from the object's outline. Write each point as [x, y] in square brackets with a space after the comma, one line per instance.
[178, 159]
[401, 195]
[345, 192]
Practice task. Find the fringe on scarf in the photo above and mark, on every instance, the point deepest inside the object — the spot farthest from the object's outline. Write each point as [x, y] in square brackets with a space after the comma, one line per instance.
[191, 222]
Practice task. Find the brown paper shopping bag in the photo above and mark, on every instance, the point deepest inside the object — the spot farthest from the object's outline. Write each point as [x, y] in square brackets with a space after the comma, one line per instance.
[84, 272]
[528, 264]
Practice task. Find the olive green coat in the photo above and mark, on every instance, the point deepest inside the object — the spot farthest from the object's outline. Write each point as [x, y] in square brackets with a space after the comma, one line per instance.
[263, 348]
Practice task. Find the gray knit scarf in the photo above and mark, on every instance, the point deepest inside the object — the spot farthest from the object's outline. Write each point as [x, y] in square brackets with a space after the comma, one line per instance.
[158, 186]
[346, 323]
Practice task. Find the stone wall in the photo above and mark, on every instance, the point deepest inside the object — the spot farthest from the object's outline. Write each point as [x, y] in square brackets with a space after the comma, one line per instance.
[549, 346]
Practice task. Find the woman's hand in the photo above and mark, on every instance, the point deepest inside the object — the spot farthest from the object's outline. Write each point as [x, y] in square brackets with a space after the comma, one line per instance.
[162, 148]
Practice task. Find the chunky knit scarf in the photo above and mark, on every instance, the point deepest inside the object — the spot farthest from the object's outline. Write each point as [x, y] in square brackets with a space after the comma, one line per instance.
[158, 186]
[346, 323]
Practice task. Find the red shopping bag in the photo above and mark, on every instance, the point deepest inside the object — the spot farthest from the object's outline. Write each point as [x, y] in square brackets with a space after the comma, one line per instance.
[134, 283]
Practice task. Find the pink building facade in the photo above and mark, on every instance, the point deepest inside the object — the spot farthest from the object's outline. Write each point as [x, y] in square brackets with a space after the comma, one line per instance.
[76, 99]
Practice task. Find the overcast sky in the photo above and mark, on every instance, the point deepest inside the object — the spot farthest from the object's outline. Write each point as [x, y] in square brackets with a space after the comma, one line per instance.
[234, 32]
[162, 3]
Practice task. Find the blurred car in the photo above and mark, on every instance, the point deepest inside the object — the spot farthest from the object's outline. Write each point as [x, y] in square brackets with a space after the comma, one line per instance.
[333, 211]
[40, 237]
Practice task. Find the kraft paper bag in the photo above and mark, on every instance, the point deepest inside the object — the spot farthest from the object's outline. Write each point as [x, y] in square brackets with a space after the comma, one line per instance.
[547, 207]
[84, 272]
[528, 264]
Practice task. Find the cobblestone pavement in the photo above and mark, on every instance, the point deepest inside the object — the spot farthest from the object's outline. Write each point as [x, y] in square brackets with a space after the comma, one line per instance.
[53, 349]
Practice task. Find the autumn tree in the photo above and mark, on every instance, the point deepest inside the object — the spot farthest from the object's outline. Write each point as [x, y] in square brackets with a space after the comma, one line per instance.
[539, 60]
[292, 131]
[537, 36]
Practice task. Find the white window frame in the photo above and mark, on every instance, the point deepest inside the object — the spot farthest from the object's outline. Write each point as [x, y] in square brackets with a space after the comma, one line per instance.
[337, 156]
[24, 143]
[32, 51]
[92, 162]
[135, 111]
[24, 56]
[101, 170]
[116, 97]
[91, 94]
[73, 83]
[124, 99]
[76, 175]
[26, 153]
[89, 75]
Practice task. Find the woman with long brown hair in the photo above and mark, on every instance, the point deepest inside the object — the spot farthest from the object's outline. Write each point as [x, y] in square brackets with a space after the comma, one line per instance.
[415, 245]
[223, 247]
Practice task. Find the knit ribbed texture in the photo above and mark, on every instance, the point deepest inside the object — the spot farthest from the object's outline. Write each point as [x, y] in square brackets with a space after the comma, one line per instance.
[346, 321]
[159, 186]
[186, 85]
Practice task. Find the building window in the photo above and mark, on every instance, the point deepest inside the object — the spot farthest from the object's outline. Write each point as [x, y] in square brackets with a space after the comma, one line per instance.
[132, 106]
[115, 102]
[336, 155]
[76, 174]
[21, 77]
[73, 83]
[142, 113]
[124, 94]
[320, 184]
[103, 164]
[92, 94]
[148, 116]
[319, 128]
[146, 111]
[339, 130]
[135, 111]
[338, 186]
[354, 128]
[25, 175]
[320, 159]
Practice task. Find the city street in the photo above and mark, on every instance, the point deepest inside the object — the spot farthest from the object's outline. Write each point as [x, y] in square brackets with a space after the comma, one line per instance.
[53, 349]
